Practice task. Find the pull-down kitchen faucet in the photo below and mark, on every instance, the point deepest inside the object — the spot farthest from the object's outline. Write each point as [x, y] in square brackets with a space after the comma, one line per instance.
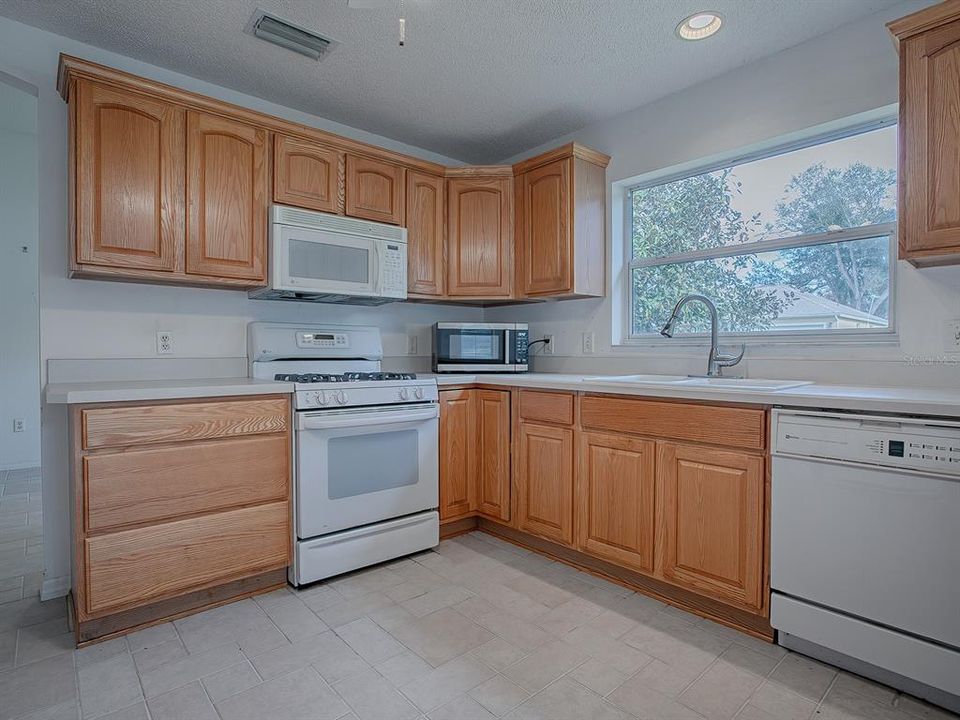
[715, 361]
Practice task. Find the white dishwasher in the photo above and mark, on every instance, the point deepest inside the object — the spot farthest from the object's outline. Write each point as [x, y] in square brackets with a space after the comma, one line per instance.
[865, 546]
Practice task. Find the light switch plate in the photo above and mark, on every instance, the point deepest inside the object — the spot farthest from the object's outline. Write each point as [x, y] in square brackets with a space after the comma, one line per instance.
[411, 344]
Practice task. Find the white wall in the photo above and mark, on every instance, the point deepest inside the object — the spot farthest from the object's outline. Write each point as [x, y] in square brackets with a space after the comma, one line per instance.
[19, 312]
[92, 319]
[848, 71]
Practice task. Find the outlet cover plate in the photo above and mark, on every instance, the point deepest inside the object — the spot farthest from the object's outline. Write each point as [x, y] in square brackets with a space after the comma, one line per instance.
[548, 347]
[951, 336]
[164, 343]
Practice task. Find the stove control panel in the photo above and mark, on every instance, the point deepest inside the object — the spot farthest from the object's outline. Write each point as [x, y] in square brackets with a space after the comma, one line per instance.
[354, 395]
[335, 341]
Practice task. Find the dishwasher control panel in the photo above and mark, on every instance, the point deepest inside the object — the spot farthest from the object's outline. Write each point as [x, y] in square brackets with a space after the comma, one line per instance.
[908, 443]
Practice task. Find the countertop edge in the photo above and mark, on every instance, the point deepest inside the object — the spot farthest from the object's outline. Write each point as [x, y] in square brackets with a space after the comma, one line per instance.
[99, 392]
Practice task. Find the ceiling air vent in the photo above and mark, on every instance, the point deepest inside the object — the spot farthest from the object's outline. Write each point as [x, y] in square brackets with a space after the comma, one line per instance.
[287, 35]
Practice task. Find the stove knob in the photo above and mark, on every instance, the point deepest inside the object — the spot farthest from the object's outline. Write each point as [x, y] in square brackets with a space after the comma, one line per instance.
[419, 393]
[404, 395]
[321, 398]
[341, 397]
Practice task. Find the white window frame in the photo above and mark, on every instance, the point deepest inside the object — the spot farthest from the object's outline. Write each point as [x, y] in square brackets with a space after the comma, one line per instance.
[885, 118]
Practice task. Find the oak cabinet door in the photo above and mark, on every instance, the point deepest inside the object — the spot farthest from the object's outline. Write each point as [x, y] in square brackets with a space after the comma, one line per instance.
[374, 190]
[710, 518]
[547, 229]
[307, 174]
[227, 197]
[479, 220]
[493, 453]
[545, 485]
[129, 179]
[425, 251]
[616, 487]
[930, 144]
[457, 453]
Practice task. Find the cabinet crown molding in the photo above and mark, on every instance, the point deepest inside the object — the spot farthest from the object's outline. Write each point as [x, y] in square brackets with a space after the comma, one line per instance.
[923, 20]
[569, 150]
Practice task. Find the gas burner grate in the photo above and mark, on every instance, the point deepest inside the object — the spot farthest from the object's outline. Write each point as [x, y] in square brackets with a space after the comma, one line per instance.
[345, 377]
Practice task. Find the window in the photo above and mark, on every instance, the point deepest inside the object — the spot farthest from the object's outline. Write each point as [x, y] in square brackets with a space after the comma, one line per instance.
[795, 243]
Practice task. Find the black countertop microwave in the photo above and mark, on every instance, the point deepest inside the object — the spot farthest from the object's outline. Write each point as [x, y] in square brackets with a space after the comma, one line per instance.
[480, 347]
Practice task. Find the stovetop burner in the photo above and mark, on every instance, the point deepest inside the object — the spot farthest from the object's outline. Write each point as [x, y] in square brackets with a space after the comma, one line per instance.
[344, 377]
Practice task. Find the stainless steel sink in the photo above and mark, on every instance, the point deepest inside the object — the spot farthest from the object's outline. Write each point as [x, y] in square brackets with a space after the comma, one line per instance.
[742, 384]
[745, 383]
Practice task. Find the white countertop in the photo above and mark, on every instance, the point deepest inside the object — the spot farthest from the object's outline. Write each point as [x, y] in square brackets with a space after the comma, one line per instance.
[944, 402]
[901, 400]
[125, 391]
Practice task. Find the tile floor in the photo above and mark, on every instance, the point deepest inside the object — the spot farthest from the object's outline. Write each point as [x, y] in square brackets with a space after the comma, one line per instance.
[21, 535]
[475, 630]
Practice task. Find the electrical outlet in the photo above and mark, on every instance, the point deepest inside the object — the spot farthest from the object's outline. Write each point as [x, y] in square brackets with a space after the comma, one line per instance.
[548, 346]
[411, 344]
[164, 343]
[18, 424]
[951, 336]
[588, 343]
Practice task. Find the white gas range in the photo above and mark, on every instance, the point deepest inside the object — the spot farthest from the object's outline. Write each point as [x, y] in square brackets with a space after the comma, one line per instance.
[365, 448]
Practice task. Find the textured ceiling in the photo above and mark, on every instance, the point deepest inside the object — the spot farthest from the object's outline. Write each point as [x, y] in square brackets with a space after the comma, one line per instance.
[479, 80]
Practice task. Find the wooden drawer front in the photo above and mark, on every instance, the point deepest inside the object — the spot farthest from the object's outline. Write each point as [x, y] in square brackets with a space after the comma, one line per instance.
[546, 407]
[138, 566]
[735, 427]
[142, 425]
[162, 483]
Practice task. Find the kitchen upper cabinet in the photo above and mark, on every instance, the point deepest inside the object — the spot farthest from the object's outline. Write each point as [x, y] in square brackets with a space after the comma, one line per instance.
[307, 174]
[479, 236]
[929, 129]
[560, 220]
[374, 189]
[616, 487]
[711, 518]
[228, 177]
[493, 453]
[458, 453]
[129, 180]
[425, 234]
[545, 482]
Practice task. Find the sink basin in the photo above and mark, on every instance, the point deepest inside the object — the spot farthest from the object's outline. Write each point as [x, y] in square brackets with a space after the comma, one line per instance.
[744, 383]
[639, 379]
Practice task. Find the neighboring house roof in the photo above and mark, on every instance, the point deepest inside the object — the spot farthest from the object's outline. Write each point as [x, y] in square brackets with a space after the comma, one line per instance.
[807, 304]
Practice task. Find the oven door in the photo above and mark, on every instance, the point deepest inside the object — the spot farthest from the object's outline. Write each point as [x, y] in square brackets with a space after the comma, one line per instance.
[473, 348]
[324, 261]
[361, 466]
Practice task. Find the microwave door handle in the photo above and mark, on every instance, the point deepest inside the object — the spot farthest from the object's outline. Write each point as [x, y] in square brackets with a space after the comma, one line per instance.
[509, 353]
[375, 277]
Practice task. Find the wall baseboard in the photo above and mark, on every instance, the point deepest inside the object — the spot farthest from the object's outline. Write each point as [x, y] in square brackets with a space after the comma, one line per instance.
[55, 588]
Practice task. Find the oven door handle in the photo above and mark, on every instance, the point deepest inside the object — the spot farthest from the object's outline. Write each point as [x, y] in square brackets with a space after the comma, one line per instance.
[306, 421]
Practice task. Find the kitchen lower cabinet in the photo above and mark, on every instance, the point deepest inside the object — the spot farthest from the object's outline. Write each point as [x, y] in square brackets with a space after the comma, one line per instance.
[474, 453]
[458, 455]
[616, 487]
[493, 453]
[177, 506]
[545, 482]
[711, 521]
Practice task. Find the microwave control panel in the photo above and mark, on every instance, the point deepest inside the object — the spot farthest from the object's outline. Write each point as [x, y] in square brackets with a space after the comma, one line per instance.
[393, 274]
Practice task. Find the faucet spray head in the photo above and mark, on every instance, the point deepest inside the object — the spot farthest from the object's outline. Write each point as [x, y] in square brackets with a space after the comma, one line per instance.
[667, 330]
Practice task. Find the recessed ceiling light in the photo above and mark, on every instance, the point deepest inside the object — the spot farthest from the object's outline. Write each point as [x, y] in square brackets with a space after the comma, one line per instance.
[699, 26]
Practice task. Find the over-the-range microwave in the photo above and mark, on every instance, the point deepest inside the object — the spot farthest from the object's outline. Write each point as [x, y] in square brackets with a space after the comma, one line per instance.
[319, 257]
[480, 347]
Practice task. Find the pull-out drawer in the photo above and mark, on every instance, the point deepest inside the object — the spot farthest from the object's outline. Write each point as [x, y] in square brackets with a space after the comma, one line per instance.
[134, 567]
[714, 424]
[161, 483]
[147, 424]
[550, 407]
